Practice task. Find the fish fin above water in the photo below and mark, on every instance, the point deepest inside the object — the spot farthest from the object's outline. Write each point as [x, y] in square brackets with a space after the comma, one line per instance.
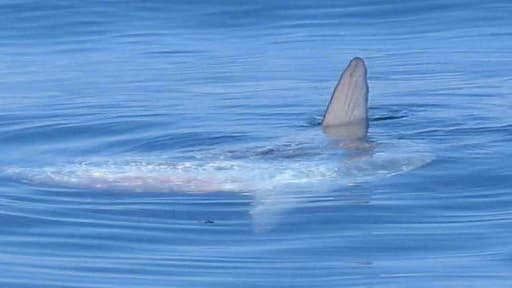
[349, 100]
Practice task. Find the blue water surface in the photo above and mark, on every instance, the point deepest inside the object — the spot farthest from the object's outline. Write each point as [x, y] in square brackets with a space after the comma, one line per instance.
[102, 102]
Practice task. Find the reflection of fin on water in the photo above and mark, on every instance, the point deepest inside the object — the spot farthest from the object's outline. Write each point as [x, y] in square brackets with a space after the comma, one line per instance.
[347, 113]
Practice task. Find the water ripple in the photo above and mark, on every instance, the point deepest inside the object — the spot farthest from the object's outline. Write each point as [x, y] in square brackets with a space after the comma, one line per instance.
[135, 91]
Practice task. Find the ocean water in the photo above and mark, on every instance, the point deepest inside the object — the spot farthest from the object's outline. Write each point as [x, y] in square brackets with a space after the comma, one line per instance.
[177, 144]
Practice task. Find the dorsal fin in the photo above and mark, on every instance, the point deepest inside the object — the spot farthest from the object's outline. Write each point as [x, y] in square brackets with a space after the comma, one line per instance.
[349, 100]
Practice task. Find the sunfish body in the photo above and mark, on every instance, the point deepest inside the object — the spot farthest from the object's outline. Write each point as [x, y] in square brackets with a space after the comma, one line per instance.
[347, 113]
[273, 179]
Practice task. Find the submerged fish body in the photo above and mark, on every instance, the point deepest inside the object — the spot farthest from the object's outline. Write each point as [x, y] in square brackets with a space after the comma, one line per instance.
[278, 179]
[228, 171]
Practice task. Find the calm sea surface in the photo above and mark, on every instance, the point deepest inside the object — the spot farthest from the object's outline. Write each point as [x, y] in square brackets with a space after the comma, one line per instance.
[177, 144]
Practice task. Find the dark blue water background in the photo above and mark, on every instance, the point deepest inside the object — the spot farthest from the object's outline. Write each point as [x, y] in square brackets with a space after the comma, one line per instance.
[117, 82]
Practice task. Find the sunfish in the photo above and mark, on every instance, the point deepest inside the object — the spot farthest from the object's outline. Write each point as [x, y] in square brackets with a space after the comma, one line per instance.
[268, 177]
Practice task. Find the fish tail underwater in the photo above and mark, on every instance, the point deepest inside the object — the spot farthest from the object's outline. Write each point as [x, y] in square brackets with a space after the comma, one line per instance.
[255, 144]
